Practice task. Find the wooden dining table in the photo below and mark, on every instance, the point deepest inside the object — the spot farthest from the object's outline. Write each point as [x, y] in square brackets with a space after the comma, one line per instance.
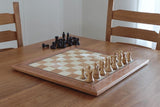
[141, 89]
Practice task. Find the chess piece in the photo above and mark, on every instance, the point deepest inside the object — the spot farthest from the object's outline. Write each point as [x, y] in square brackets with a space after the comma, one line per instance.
[77, 41]
[100, 65]
[45, 46]
[70, 41]
[102, 71]
[53, 46]
[83, 76]
[56, 40]
[63, 43]
[96, 73]
[63, 35]
[106, 62]
[129, 58]
[90, 75]
[120, 63]
[124, 59]
[111, 59]
[109, 67]
[114, 63]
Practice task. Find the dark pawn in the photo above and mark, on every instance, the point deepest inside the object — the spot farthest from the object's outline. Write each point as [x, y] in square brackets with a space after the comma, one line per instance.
[43, 45]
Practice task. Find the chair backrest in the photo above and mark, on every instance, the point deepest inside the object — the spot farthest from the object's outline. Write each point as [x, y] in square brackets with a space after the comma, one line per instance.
[131, 16]
[6, 18]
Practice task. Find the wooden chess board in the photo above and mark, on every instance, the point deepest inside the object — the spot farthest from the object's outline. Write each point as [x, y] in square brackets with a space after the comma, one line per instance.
[64, 67]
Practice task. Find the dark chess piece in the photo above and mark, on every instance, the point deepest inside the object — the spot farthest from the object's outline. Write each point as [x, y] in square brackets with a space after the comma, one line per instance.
[59, 45]
[53, 46]
[70, 41]
[45, 46]
[64, 43]
[67, 38]
[56, 40]
[67, 35]
[77, 42]
[63, 35]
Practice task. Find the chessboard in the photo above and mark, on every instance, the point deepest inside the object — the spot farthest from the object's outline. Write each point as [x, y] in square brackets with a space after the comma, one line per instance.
[67, 67]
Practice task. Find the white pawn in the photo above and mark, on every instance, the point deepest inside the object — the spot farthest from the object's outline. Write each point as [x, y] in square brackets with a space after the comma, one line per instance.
[114, 63]
[83, 76]
[129, 58]
[120, 63]
[109, 67]
[96, 73]
[90, 75]
[102, 71]
[124, 59]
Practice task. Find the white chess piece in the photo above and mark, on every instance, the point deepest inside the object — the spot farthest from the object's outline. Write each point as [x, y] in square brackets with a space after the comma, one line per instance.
[83, 76]
[96, 73]
[109, 67]
[90, 75]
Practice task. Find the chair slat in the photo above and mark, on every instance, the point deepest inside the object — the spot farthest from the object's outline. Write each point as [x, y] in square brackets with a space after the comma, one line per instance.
[136, 33]
[7, 36]
[18, 24]
[6, 18]
[140, 17]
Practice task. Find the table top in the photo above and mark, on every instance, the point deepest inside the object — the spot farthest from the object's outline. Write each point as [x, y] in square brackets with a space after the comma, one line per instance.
[139, 90]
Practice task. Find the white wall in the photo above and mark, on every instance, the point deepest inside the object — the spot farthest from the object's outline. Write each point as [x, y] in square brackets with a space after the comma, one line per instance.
[95, 15]
[72, 13]
[94, 18]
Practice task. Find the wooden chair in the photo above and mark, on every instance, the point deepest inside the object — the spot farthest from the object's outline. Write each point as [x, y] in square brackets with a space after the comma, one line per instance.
[6, 18]
[131, 16]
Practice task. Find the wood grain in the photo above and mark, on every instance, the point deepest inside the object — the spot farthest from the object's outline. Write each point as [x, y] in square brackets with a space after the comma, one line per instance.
[18, 24]
[7, 36]
[140, 17]
[6, 18]
[95, 88]
[109, 20]
[136, 33]
[139, 90]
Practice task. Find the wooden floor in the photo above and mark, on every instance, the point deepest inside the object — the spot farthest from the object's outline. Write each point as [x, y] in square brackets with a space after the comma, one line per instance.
[18, 89]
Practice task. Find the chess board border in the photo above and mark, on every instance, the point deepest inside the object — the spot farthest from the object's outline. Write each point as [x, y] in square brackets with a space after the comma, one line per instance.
[95, 88]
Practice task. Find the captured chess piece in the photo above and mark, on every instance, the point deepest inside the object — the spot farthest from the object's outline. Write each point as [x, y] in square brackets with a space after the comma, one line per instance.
[53, 46]
[70, 41]
[90, 75]
[129, 57]
[83, 76]
[67, 38]
[56, 40]
[120, 63]
[124, 59]
[77, 41]
[102, 68]
[45, 46]
[63, 35]
[114, 63]
[64, 44]
[96, 73]
[109, 67]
